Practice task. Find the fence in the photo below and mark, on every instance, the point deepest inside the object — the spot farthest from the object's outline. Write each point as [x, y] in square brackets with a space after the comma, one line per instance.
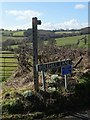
[8, 64]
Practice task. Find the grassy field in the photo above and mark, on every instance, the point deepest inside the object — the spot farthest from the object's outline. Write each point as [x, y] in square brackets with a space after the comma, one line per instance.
[19, 33]
[66, 32]
[7, 33]
[70, 40]
[4, 38]
[12, 33]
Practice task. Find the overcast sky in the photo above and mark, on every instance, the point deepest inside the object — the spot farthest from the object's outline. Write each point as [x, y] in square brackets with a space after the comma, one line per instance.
[54, 15]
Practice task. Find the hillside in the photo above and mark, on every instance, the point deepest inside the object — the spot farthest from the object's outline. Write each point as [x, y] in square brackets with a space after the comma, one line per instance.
[85, 30]
[12, 39]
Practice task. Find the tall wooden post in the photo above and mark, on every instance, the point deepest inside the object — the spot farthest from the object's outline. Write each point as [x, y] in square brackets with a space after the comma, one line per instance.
[35, 22]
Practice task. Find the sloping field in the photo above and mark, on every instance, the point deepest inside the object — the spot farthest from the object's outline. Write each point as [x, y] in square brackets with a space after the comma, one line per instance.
[4, 38]
[71, 40]
[19, 33]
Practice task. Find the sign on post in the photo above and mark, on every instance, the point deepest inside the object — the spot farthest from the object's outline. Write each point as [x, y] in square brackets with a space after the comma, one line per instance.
[65, 70]
[53, 65]
[65, 66]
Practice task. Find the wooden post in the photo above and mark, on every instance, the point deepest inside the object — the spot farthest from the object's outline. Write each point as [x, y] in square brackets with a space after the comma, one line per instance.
[35, 22]
[43, 81]
[65, 82]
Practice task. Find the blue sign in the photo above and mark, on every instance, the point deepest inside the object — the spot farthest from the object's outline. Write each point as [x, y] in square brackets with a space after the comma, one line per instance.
[66, 70]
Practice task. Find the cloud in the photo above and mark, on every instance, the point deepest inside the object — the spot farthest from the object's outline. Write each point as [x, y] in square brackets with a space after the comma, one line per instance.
[15, 27]
[24, 14]
[70, 24]
[80, 6]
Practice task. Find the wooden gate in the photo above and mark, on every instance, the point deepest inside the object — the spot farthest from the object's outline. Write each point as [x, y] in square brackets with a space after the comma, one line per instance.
[8, 64]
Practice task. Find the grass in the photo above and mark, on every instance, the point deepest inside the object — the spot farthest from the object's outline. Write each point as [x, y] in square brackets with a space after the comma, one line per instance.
[62, 32]
[7, 33]
[70, 40]
[4, 38]
[12, 33]
[19, 33]
[14, 46]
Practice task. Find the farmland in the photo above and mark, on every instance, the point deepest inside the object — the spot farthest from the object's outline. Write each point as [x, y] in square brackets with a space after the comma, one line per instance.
[71, 40]
[18, 88]
[4, 38]
[65, 32]
[18, 33]
[17, 37]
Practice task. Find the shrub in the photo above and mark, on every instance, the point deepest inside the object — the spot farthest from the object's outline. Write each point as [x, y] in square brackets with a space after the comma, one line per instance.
[14, 106]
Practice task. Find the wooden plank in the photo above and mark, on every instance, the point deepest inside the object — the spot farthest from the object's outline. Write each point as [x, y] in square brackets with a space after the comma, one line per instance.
[8, 62]
[7, 57]
[8, 70]
[7, 53]
[8, 66]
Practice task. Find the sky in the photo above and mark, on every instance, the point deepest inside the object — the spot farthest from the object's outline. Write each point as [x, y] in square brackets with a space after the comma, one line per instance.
[53, 15]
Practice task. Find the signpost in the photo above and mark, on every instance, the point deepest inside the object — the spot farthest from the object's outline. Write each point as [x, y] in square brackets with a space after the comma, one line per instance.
[65, 66]
[35, 22]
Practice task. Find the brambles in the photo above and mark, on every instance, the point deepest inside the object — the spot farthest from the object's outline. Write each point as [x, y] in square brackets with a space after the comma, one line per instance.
[24, 56]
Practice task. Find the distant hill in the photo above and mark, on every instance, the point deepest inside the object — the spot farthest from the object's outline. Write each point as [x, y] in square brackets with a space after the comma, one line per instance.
[85, 30]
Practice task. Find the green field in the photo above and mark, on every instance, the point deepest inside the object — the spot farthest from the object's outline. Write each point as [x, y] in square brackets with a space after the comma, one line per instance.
[19, 33]
[7, 33]
[4, 38]
[70, 40]
[66, 32]
[12, 33]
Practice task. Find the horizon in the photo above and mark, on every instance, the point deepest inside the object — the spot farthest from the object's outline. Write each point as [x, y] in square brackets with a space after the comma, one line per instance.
[44, 29]
[54, 16]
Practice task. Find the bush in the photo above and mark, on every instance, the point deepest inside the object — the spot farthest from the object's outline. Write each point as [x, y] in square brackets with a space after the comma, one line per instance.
[82, 91]
[14, 106]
